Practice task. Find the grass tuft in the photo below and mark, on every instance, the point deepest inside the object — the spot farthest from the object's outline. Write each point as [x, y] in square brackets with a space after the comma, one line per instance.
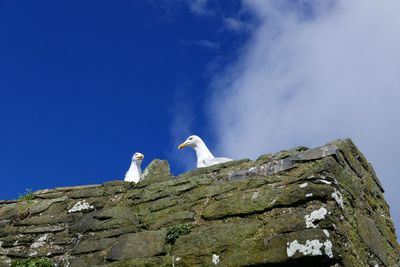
[27, 196]
[175, 231]
[34, 262]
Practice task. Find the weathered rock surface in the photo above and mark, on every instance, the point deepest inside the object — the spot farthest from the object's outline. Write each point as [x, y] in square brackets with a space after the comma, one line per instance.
[320, 207]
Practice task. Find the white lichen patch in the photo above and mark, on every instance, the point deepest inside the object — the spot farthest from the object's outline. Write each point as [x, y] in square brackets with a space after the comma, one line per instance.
[303, 185]
[338, 197]
[309, 195]
[34, 253]
[177, 259]
[115, 198]
[1, 243]
[326, 232]
[328, 248]
[79, 206]
[311, 247]
[326, 151]
[40, 242]
[316, 215]
[65, 260]
[215, 259]
[255, 196]
[253, 169]
[325, 181]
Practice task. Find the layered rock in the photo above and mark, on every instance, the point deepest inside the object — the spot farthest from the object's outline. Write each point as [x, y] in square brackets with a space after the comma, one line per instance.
[321, 206]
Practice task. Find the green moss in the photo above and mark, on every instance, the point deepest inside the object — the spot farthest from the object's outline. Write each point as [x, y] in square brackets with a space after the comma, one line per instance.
[35, 262]
[27, 196]
[175, 231]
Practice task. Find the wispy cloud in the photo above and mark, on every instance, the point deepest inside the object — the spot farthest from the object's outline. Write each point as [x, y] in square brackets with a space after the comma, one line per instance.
[202, 43]
[234, 24]
[199, 6]
[181, 128]
[196, 7]
[313, 72]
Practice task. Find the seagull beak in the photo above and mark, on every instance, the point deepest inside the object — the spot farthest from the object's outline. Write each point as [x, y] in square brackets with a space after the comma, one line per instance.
[141, 157]
[185, 144]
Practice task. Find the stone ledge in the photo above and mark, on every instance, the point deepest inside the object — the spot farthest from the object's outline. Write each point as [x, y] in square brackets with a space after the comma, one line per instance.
[322, 206]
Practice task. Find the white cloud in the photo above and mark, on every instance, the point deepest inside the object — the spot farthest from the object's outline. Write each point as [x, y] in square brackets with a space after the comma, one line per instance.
[306, 80]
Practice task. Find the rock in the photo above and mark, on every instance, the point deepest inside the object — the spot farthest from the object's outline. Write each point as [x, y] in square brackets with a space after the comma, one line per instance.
[156, 171]
[139, 245]
[372, 238]
[92, 245]
[92, 259]
[173, 218]
[86, 193]
[108, 218]
[160, 261]
[266, 197]
[4, 261]
[46, 219]
[12, 210]
[42, 229]
[215, 238]
[21, 210]
[322, 206]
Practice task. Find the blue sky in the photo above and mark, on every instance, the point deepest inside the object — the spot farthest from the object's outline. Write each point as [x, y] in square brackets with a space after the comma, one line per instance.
[85, 84]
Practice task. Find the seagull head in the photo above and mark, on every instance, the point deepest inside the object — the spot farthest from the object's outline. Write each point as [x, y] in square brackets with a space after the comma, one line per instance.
[191, 141]
[138, 157]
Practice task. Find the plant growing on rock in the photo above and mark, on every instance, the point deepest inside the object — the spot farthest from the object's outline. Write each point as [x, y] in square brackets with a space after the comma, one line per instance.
[35, 262]
[27, 196]
[175, 231]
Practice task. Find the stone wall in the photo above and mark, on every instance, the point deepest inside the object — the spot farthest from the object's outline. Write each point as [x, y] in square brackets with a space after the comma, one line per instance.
[320, 207]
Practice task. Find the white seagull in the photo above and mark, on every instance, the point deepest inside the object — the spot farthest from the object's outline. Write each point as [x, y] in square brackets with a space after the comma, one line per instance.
[134, 172]
[204, 157]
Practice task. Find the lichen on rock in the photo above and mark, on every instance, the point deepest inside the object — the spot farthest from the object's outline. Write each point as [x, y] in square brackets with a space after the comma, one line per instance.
[311, 247]
[80, 206]
[316, 215]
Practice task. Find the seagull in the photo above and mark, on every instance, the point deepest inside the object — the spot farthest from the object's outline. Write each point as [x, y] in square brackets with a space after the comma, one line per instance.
[134, 172]
[204, 157]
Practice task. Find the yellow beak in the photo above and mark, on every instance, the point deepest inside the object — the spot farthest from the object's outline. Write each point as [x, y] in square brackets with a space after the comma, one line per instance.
[141, 157]
[185, 144]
